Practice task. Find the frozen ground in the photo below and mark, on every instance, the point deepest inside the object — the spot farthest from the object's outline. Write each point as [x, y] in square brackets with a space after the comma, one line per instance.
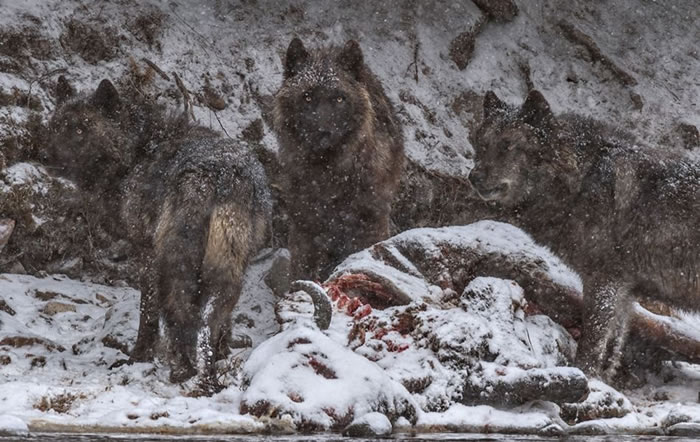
[415, 363]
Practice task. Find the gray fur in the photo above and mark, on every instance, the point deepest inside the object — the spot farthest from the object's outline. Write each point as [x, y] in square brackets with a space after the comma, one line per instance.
[194, 206]
[625, 217]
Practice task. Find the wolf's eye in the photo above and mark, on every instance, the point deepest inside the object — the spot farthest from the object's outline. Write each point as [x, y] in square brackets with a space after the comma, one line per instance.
[307, 97]
[339, 99]
[79, 131]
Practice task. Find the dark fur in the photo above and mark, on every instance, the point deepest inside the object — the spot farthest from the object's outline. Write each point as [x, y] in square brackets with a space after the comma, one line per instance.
[194, 205]
[341, 160]
[627, 218]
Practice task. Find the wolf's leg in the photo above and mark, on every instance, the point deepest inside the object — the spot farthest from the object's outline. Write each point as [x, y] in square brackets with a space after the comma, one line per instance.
[147, 338]
[307, 256]
[179, 243]
[228, 245]
[605, 323]
[149, 313]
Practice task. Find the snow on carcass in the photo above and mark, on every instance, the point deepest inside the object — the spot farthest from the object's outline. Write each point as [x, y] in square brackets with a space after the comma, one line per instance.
[408, 306]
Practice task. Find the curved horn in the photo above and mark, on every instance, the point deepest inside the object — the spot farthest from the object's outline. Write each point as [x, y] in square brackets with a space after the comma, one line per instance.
[323, 310]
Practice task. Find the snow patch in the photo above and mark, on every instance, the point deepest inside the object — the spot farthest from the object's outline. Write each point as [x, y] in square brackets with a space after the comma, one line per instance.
[12, 425]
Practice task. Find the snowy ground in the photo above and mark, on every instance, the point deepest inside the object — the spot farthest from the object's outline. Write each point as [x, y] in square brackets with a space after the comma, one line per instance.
[413, 363]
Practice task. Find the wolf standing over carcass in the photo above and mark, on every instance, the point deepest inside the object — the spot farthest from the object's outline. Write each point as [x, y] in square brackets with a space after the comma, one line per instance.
[341, 155]
[626, 217]
[194, 205]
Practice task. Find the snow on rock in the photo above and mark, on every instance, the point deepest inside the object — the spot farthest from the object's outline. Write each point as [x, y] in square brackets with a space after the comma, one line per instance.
[494, 384]
[319, 384]
[603, 401]
[37, 203]
[56, 316]
[679, 414]
[483, 418]
[12, 425]
[26, 174]
[235, 49]
[684, 429]
[369, 425]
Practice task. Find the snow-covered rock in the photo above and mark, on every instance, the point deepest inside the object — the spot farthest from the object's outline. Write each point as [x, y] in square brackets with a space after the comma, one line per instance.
[319, 384]
[11, 425]
[370, 425]
[603, 401]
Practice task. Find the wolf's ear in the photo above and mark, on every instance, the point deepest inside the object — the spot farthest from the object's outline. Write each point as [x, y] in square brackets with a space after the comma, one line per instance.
[296, 56]
[63, 91]
[492, 105]
[351, 59]
[536, 111]
[106, 98]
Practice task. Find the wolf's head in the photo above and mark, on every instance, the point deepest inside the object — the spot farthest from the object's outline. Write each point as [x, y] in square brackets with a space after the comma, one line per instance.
[87, 141]
[521, 154]
[323, 102]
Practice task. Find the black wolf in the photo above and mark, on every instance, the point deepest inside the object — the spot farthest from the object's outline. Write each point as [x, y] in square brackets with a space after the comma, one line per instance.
[194, 206]
[341, 155]
[626, 217]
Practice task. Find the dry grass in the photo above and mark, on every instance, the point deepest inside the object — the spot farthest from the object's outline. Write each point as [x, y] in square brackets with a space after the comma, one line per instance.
[60, 403]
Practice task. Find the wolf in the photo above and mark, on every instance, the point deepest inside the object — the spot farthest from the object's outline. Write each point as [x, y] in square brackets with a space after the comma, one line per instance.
[194, 206]
[341, 155]
[624, 216]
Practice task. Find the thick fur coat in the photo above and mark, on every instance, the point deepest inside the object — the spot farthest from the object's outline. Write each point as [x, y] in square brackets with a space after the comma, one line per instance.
[626, 217]
[341, 155]
[194, 206]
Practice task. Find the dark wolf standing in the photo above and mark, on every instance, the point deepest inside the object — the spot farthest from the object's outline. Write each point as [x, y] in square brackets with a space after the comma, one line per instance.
[195, 207]
[626, 217]
[341, 155]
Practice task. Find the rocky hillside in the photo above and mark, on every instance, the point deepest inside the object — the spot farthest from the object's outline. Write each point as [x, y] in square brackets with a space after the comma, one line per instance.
[632, 63]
